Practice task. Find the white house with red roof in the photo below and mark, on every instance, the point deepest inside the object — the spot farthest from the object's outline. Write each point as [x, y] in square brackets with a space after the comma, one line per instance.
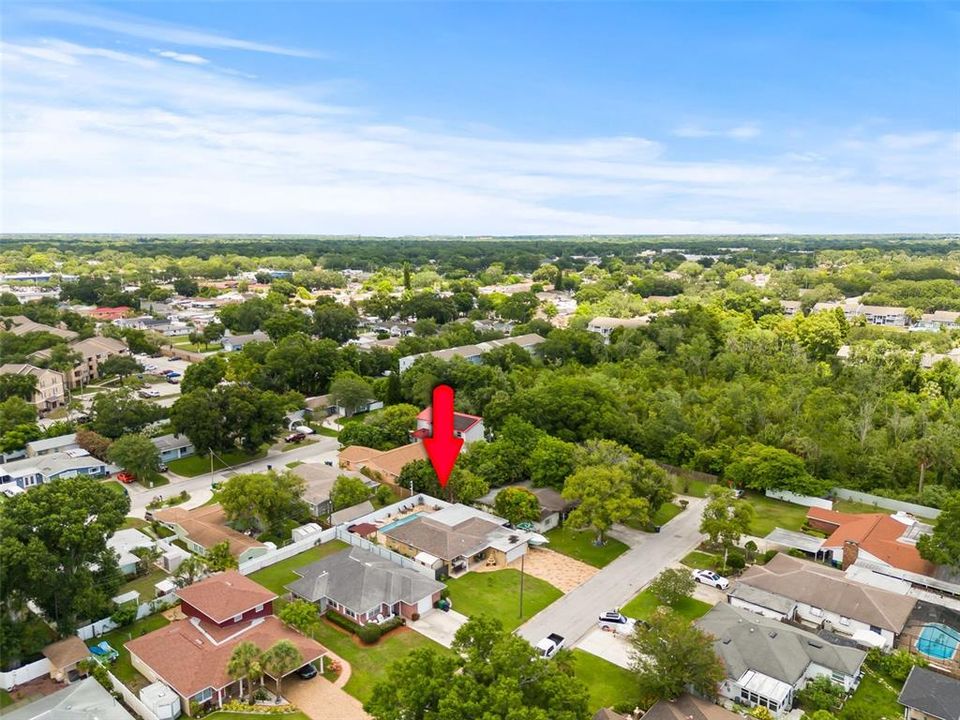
[468, 427]
[191, 655]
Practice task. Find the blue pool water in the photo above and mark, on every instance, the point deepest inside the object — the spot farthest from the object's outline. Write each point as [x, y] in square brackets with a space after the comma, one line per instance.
[398, 523]
[938, 641]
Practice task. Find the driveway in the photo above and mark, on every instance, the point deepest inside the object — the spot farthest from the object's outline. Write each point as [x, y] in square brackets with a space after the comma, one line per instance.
[576, 612]
[607, 645]
[439, 626]
[320, 699]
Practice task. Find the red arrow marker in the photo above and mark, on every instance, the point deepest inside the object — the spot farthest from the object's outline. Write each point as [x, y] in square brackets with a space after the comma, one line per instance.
[443, 448]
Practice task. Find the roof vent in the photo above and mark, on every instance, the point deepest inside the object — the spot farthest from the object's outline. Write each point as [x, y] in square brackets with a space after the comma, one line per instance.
[773, 633]
[752, 629]
[811, 643]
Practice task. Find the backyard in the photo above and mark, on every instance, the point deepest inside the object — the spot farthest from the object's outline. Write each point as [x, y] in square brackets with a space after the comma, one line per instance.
[770, 514]
[497, 594]
[875, 698]
[644, 605]
[579, 544]
[610, 685]
[144, 584]
[121, 667]
[194, 465]
[279, 574]
[369, 663]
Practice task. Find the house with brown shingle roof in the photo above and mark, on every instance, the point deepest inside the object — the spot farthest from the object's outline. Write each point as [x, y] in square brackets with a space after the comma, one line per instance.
[823, 597]
[191, 655]
[203, 527]
[874, 538]
[387, 464]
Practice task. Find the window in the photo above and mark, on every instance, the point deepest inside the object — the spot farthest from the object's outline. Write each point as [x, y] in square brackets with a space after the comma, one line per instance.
[203, 695]
[837, 677]
[258, 608]
[238, 618]
[349, 612]
[844, 621]
[816, 611]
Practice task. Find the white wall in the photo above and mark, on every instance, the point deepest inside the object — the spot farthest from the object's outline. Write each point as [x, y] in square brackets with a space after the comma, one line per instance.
[26, 673]
[806, 500]
[887, 504]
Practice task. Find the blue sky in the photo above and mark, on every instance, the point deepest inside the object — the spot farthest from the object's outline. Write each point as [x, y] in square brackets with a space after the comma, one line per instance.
[487, 118]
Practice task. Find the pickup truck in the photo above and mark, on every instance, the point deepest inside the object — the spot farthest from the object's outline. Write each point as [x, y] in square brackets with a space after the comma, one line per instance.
[549, 646]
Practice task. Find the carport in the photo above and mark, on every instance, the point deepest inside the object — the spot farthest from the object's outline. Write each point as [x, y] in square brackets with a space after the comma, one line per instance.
[797, 541]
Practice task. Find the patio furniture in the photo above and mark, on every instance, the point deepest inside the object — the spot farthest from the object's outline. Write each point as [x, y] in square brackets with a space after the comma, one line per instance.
[103, 653]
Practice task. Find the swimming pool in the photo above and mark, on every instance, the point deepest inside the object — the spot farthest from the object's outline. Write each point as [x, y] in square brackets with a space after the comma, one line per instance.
[938, 641]
[398, 523]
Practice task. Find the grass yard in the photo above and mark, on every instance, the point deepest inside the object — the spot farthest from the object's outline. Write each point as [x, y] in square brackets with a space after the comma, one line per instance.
[644, 605]
[279, 574]
[5, 699]
[666, 513]
[579, 544]
[199, 464]
[369, 663]
[295, 463]
[144, 584]
[327, 432]
[695, 488]
[770, 514]
[201, 348]
[850, 506]
[699, 560]
[497, 594]
[875, 698]
[609, 684]
[121, 667]
[134, 523]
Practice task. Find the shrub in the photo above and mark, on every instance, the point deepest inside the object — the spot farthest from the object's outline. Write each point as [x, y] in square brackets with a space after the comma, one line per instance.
[391, 624]
[821, 693]
[896, 664]
[369, 633]
[342, 621]
[766, 557]
[736, 561]
[415, 616]
[125, 614]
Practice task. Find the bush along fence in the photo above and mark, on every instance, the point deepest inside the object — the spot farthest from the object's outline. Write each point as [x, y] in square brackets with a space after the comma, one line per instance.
[369, 633]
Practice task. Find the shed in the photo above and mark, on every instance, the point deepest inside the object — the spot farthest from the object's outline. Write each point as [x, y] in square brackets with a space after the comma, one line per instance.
[161, 701]
[64, 656]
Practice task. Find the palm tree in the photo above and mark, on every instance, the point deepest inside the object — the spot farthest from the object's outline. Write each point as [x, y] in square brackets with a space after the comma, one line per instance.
[281, 658]
[244, 663]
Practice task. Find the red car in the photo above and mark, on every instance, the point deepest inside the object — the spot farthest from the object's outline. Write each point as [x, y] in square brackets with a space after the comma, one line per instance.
[126, 477]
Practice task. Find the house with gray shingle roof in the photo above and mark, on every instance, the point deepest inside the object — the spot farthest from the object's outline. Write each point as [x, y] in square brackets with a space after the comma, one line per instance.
[365, 587]
[768, 661]
[928, 695]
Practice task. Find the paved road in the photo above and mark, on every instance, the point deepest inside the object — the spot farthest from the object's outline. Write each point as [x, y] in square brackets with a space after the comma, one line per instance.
[139, 497]
[576, 613]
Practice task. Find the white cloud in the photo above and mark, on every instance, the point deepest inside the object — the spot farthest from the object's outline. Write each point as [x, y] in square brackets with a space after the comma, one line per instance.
[745, 131]
[188, 58]
[101, 141]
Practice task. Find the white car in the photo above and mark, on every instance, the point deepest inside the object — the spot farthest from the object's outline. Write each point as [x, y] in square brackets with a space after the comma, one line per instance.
[709, 577]
[149, 393]
[150, 368]
[615, 621]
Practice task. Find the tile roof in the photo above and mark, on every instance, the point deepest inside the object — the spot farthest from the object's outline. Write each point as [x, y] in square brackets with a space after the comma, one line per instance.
[876, 533]
[829, 589]
[931, 693]
[357, 453]
[188, 659]
[745, 641]
[225, 595]
[360, 580]
[206, 526]
[66, 652]
[393, 461]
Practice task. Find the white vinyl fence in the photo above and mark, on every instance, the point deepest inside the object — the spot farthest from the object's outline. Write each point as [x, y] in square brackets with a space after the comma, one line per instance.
[287, 551]
[26, 673]
[132, 701]
[806, 500]
[385, 553]
[887, 503]
[98, 628]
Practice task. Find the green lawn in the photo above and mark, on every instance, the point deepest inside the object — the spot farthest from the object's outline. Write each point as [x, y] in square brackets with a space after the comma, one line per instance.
[144, 584]
[695, 488]
[5, 699]
[369, 663]
[295, 463]
[666, 513]
[497, 594]
[121, 667]
[201, 348]
[770, 514]
[609, 684]
[279, 574]
[134, 523]
[321, 430]
[644, 605]
[849, 506]
[199, 464]
[702, 561]
[875, 698]
[579, 544]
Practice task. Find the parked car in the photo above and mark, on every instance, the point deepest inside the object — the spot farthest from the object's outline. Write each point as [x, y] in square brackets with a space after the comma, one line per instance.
[126, 477]
[162, 467]
[616, 621]
[307, 671]
[709, 577]
[150, 368]
[295, 437]
[549, 646]
[149, 393]
[173, 379]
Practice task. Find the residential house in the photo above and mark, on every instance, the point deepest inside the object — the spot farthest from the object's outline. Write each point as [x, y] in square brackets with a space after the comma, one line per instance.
[928, 695]
[45, 468]
[688, 707]
[940, 319]
[604, 326]
[473, 353]
[203, 527]
[928, 360]
[468, 427]
[319, 479]
[190, 656]
[461, 537]
[884, 315]
[872, 538]
[386, 464]
[124, 542]
[173, 446]
[790, 307]
[348, 515]
[233, 343]
[21, 325]
[46, 446]
[84, 700]
[788, 588]
[768, 662]
[50, 392]
[365, 587]
[553, 507]
[93, 351]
